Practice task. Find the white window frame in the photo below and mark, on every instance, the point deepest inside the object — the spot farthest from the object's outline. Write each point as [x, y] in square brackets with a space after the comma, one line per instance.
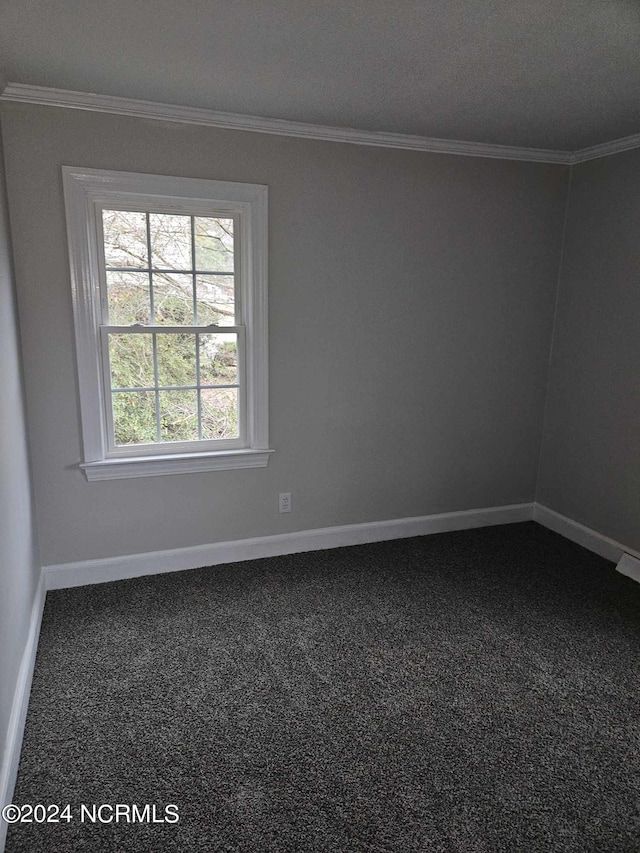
[87, 192]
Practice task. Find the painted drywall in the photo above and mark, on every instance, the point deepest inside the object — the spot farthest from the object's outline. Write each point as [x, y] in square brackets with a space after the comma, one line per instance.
[411, 307]
[19, 566]
[541, 73]
[590, 461]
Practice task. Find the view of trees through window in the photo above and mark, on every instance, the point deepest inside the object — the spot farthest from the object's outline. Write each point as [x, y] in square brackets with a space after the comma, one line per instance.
[165, 271]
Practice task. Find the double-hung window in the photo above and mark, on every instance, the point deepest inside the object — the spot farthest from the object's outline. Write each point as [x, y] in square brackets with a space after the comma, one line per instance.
[170, 305]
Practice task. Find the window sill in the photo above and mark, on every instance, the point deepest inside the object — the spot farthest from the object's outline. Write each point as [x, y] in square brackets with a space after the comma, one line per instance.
[179, 463]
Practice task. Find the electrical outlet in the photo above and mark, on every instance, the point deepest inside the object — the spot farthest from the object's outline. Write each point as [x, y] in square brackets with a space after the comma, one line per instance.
[284, 502]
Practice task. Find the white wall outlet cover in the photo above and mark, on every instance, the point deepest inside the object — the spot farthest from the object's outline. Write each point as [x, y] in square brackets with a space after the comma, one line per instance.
[284, 502]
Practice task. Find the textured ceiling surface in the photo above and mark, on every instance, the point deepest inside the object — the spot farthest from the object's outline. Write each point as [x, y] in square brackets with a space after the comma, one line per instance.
[561, 74]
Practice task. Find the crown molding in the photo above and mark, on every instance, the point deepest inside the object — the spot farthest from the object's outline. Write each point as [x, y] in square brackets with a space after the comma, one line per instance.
[606, 149]
[24, 93]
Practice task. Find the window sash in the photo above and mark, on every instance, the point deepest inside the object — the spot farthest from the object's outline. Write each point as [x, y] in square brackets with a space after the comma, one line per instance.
[238, 273]
[159, 447]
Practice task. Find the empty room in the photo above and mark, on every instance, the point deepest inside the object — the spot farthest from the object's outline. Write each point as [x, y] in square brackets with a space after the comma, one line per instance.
[320, 426]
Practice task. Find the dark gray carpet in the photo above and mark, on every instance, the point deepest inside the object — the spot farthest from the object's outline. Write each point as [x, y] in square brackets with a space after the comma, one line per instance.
[473, 691]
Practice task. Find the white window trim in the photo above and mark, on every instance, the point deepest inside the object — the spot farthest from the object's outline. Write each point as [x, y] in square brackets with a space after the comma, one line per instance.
[86, 191]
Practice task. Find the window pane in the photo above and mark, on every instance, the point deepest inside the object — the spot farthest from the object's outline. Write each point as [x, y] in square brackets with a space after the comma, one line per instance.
[134, 417]
[170, 241]
[219, 413]
[214, 244]
[178, 415]
[176, 359]
[218, 359]
[131, 360]
[128, 295]
[216, 300]
[173, 299]
[125, 238]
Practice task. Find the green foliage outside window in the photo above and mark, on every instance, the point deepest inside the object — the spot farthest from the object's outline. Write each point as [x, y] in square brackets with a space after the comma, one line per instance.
[171, 293]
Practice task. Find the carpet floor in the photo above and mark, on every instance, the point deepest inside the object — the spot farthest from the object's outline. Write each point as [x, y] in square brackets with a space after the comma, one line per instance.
[470, 691]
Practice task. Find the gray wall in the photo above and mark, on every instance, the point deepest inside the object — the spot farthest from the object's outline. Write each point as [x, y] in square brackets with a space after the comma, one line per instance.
[19, 565]
[411, 307]
[590, 464]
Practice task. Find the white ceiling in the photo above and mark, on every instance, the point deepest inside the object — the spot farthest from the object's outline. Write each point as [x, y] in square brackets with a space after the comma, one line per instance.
[561, 74]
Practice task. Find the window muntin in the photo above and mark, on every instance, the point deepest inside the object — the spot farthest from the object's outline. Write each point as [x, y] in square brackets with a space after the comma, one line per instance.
[207, 308]
[167, 277]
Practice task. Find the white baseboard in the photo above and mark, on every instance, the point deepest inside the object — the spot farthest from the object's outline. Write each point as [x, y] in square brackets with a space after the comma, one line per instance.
[629, 566]
[134, 565]
[9, 768]
[585, 536]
